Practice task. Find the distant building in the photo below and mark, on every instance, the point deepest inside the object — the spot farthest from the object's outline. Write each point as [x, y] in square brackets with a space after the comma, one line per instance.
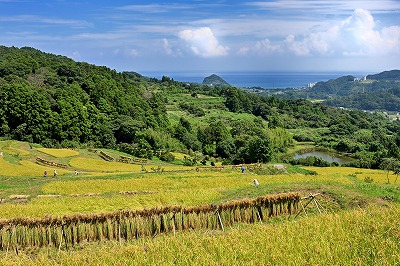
[363, 78]
[311, 84]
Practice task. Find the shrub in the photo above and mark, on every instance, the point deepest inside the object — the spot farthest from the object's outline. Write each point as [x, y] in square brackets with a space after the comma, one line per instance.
[368, 179]
[166, 156]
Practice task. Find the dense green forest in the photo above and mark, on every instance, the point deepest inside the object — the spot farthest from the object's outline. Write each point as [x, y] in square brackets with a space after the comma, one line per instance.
[57, 102]
[375, 92]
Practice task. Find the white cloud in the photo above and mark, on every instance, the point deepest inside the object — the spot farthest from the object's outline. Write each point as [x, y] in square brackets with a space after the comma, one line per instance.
[243, 50]
[76, 55]
[154, 8]
[203, 43]
[356, 35]
[167, 47]
[132, 52]
[267, 45]
[327, 6]
[169, 50]
[264, 47]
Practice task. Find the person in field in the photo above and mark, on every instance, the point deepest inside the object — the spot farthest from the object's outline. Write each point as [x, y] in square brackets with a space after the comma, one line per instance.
[45, 173]
[55, 172]
[255, 182]
[242, 169]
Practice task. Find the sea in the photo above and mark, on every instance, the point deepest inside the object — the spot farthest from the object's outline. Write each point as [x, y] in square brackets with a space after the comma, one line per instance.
[265, 80]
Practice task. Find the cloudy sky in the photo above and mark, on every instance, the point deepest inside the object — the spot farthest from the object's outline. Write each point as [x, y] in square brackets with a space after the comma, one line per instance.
[217, 35]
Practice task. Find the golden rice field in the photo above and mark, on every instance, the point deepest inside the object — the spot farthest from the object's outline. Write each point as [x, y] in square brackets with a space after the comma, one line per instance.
[179, 155]
[59, 153]
[92, 203]
[26, 168]
[348, 237]
[355, 237]
[14, 147]
[144, 191]
[100, 165]
[378, 176]
[181, 181]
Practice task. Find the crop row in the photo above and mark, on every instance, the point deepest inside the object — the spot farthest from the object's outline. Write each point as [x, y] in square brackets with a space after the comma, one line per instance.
[70, 230]
[43, 161]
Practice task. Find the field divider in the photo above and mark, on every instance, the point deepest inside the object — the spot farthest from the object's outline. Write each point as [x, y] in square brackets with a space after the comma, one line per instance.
[70, 230]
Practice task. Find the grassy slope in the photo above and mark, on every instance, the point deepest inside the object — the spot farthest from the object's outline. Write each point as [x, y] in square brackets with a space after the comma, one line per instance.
[213, 106]
[98, 189]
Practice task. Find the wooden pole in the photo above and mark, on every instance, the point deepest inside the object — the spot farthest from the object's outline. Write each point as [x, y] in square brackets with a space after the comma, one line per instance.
[220, 221]
[258, 214]
[312, 198]
[316, 205]
[119, 230]
[319, 204]
[173, 224]
[65, 237]
[62, 235]
[304, 207]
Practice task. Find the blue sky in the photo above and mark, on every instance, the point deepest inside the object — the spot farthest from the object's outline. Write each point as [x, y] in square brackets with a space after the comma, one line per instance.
[210, 36]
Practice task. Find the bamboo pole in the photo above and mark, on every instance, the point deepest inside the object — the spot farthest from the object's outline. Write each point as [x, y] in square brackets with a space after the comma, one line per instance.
[173, 224]
[62, 235]
[259, 214]
[220, 221]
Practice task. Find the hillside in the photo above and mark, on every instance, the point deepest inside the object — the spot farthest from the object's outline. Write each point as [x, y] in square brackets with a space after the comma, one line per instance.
[147, 172]
[113, 209]
[375, 92]
[386, 75]
[57, 102]
[215, 80]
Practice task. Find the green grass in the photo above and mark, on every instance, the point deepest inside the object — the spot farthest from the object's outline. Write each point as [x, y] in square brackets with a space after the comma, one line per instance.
[213, 107]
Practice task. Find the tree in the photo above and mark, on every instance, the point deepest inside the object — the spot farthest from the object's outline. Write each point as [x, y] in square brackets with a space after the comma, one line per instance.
[390, 164]
[226, 148]
[256, 149]
[397, 171]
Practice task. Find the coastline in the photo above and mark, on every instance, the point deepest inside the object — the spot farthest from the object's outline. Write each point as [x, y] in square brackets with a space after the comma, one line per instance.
[265, 80]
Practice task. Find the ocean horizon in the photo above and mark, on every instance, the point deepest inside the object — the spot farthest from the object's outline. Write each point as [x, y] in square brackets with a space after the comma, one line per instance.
[265, 80]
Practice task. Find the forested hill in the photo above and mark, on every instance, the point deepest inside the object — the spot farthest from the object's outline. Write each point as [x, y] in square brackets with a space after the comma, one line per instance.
[375, 92]
[215, 80]
[386, 75]
[57, 102]
[49, 98]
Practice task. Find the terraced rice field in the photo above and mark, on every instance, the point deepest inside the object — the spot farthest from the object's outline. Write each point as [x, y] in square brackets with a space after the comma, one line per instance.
[341, 236]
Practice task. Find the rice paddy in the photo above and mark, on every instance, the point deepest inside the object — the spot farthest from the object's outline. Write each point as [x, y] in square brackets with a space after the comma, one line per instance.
[104, 188]
[59, 153]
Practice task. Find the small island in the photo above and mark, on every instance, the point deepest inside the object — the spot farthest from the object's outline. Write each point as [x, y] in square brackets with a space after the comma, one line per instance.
[215, 80]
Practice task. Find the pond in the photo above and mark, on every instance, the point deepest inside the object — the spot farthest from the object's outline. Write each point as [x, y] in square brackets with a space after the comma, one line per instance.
[327, 156]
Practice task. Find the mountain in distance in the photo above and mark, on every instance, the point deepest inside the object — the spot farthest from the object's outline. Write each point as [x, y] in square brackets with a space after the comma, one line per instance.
[215, 80]
[373, 92]
[386, 75]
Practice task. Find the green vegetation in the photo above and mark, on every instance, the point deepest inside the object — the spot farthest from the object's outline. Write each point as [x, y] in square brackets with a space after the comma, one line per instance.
[138, 143]
[215, 80]
[379, 92]
[59, 103]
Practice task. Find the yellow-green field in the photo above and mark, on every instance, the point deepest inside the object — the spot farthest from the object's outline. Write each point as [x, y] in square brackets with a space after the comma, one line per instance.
[59, 153]
[360, 214]
[356, 237]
